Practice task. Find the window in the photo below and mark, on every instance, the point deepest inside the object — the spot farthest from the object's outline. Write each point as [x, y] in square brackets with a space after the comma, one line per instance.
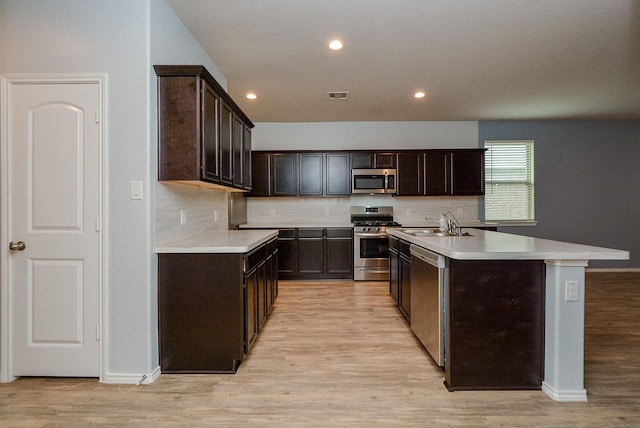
[509, 181]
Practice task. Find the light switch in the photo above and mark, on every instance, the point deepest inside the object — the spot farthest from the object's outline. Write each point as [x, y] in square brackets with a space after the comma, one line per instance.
[571, 291]
[136, 190]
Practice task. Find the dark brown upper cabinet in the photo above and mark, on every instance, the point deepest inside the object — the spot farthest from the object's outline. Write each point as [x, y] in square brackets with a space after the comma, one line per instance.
[457, 172]
[226, 144]
[410, 174]
[284, 174]
[467, 176]
[274, 174]
[311, 179]
[373, 160]
[300, 174]
[202, 134]
[437, 173]
[210, 134]
[338, 174]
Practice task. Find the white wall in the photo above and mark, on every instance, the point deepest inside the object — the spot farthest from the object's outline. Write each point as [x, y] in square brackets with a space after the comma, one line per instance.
[122, 38]
[364, 135]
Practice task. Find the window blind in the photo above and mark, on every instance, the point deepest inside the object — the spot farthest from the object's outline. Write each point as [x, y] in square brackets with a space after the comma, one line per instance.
[509, 180]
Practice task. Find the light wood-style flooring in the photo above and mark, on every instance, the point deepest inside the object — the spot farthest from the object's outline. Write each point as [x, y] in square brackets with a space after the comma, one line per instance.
[338, 353]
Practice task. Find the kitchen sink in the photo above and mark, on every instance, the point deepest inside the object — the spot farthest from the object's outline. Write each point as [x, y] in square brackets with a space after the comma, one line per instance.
[429, 232]
[425, 232]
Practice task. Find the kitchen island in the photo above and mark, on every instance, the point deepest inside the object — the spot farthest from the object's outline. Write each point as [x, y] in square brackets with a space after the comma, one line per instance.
[563, 312]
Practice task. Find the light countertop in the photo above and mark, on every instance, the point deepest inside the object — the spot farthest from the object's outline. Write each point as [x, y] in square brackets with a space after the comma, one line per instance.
[488, 245]
[315, 224]
[284, 225]
[218, 241]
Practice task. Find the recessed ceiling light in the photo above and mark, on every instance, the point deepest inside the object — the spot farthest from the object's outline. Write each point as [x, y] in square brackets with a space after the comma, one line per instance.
[335, 45]
[252, 96]
[419, 94]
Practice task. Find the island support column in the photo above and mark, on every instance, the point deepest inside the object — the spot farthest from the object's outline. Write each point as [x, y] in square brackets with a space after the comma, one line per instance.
[564, 331]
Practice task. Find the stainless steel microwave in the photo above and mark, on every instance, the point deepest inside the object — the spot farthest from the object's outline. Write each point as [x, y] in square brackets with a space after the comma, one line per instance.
[373, 181]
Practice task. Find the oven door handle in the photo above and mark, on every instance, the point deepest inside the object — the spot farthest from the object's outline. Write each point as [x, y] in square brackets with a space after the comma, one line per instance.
[371, 235]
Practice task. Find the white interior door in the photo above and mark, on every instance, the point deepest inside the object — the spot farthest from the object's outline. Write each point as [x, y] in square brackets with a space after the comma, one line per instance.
[54, 209]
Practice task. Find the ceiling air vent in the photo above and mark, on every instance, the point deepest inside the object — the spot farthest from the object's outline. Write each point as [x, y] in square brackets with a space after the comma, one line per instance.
[338, 95]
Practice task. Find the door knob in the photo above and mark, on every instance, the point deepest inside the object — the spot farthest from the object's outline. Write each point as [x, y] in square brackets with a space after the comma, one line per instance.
[17, 246]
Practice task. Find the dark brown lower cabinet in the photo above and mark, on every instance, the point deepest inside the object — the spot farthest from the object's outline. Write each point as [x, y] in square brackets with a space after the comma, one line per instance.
[310, 252]
[315, 253]
[211, 307]
[338, 250]
[495, 335]
[404, 279]
[394, 260]
[400, 275]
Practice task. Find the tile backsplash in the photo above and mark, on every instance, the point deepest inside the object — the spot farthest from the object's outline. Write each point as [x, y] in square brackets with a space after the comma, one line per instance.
[407, 210]
[201, 209]
[207, 209]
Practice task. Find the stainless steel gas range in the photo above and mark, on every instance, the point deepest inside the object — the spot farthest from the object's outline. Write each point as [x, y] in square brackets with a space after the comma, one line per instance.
[371, 242]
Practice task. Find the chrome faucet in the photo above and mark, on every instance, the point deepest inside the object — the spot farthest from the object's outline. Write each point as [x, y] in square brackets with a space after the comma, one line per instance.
[448, 222]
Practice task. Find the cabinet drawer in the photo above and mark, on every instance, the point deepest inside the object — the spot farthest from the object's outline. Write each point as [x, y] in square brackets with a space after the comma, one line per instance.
[343, 232]
[286, 233]
[256, 256]
[394, 243]
[272, 246]
[310, 233]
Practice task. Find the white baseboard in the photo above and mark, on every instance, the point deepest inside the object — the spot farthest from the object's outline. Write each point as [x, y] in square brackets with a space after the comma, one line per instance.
[132, 378]
[612, 269]
[566, 396]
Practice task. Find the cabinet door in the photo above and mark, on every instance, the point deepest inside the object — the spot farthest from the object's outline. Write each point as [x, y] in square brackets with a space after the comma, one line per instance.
[274, 277]
[246, 157]
[226, 143]
[394, 265]
[270, 275]
[311, 174]
[405, 287]
[179, 132]
[261, 174]
[284, 174]
[362, 160]
[437, 173]
[250, 309]
[311, 251]
[210, 135]
[468, 172]
[261, 288]
[384, 160]
[287, 253]
[338, 174]
[237, 132]
[410, 174]
[339, 252]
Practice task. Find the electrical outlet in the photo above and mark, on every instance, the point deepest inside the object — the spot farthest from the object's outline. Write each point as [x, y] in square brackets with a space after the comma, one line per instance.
[571, 291]
[408, 211]
[183, 217]
[215, 215]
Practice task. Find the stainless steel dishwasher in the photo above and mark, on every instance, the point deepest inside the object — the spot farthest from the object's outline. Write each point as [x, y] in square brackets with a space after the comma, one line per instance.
[428, 281]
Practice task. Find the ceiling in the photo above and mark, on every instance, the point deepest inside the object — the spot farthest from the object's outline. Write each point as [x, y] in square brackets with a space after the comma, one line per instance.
[476, 60]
